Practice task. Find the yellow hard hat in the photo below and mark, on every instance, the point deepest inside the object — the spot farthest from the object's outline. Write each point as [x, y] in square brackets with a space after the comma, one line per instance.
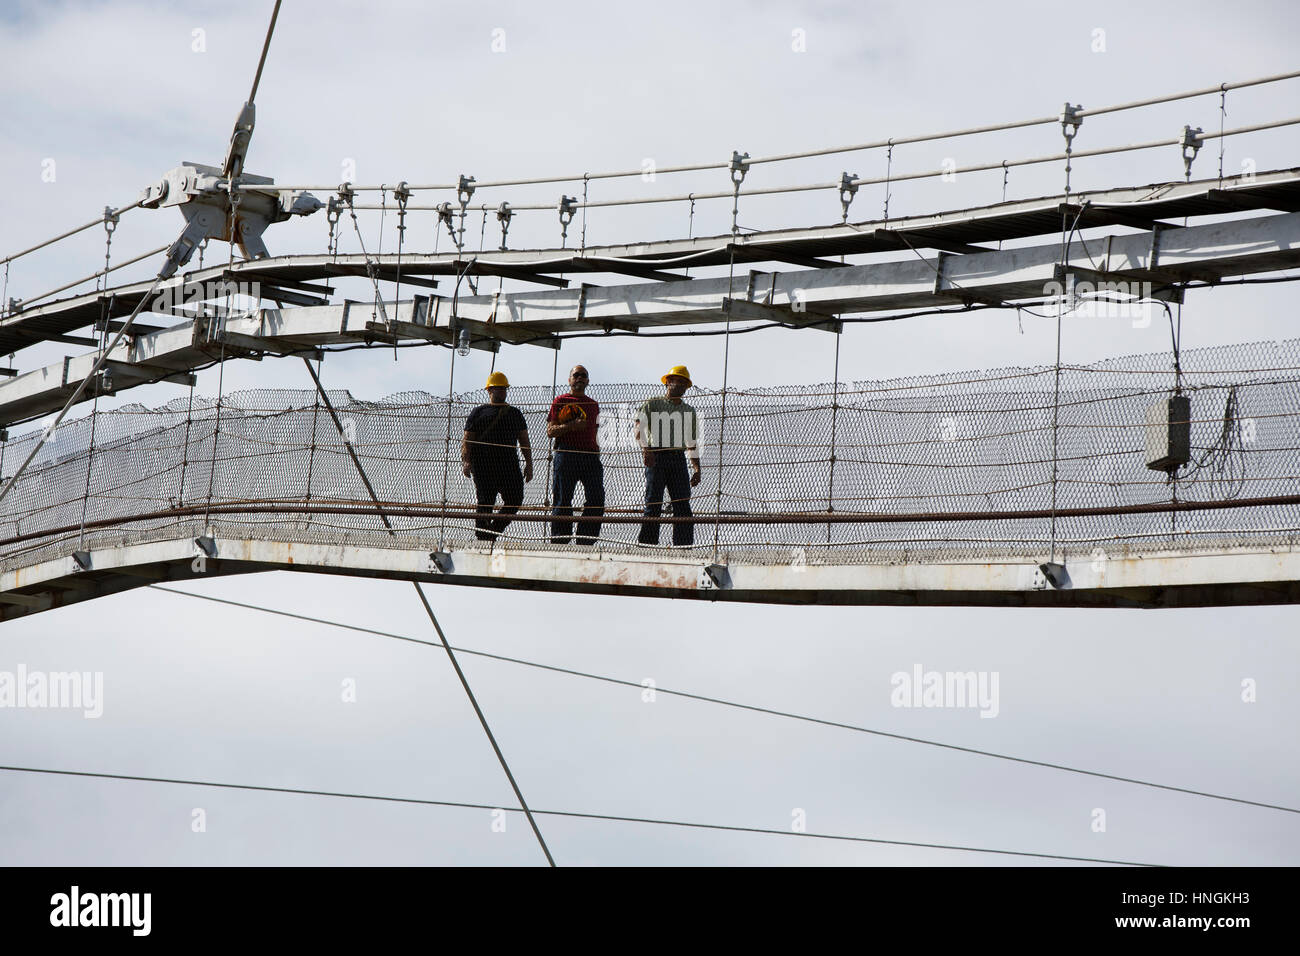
[497, 380]
[679, 370]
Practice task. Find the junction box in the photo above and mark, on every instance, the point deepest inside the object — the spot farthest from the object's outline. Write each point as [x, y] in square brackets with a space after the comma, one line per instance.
[1169, 433]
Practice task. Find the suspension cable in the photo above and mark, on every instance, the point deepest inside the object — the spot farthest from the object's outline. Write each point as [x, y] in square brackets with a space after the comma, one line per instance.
[856, 147]
[722, 420]
[370, 266]
[71, 232]
[483, 721]
[1223, 115]
[185, 450]
[266, 45]
[324, 397]
[887, 144]
[835, 408]
[582, 243]
[923, 174]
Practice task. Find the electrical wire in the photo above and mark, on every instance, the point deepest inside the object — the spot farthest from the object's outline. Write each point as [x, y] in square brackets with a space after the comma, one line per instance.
[563, 813]
[723, 702]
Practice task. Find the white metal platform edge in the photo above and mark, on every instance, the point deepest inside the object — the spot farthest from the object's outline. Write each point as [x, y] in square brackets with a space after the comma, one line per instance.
[1246, 576]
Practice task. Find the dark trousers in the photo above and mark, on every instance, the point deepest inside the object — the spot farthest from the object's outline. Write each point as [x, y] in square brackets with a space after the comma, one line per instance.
[668, 471]
[572, 467]
[492, 478]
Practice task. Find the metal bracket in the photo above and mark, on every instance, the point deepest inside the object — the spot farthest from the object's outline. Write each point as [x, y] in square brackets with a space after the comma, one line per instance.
[1071, 120]
[738, 166]
[420, 309]
[82, 559]
[441, 562]
[582, 304]
[1153, 256]
[504, 215]
[1191, 142]
[848, 189]
[568, 206]
[714, 577]
[1055, 574]
[207, 544]
[1066, 276]
[938, 272]
[465, 189]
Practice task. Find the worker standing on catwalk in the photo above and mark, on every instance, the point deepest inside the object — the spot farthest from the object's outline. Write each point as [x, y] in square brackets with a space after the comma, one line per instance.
[572, 422]
[667, 430]
[487, 454]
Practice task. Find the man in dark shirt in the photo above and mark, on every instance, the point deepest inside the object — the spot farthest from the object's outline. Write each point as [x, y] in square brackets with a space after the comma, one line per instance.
[487, 453]
[572, 423]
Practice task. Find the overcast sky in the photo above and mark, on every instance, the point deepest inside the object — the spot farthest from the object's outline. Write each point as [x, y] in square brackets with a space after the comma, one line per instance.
[114, 93]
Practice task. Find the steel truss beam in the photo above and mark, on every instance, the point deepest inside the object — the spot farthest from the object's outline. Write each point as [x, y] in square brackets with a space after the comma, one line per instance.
[959, 231]
[1160, 257]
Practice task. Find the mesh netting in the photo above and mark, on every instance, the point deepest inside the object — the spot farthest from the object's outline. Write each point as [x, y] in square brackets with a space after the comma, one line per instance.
[922, 449]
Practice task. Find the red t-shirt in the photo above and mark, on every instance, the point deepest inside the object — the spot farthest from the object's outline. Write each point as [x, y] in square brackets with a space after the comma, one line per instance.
[584, 439]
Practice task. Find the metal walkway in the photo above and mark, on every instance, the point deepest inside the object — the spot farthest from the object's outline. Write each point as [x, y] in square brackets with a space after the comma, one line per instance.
[935, 489]
[1159, 580]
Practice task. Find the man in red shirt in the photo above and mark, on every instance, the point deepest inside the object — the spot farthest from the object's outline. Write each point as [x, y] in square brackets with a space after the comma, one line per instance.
[572, 423]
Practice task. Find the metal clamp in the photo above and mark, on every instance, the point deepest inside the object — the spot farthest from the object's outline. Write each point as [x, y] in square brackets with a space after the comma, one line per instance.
[739, 166]
[401, 193]
[848, 189]
[1191, 142]
[333, 209]
[568, 206]
[465, 190]
[1071, 119]
[504, 215]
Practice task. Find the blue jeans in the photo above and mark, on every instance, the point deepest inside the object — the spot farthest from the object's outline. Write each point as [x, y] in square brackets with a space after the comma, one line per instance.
[668, 472]
[572, 467]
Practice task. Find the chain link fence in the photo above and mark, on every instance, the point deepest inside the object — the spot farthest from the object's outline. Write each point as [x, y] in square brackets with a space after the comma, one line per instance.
[837, 473]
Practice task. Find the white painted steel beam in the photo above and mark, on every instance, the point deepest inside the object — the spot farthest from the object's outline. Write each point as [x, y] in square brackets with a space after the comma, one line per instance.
[1238, 247]
[957, 230]
[1190, 578]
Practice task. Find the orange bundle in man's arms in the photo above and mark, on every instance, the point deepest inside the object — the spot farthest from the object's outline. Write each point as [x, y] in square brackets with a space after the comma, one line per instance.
[571, 412]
